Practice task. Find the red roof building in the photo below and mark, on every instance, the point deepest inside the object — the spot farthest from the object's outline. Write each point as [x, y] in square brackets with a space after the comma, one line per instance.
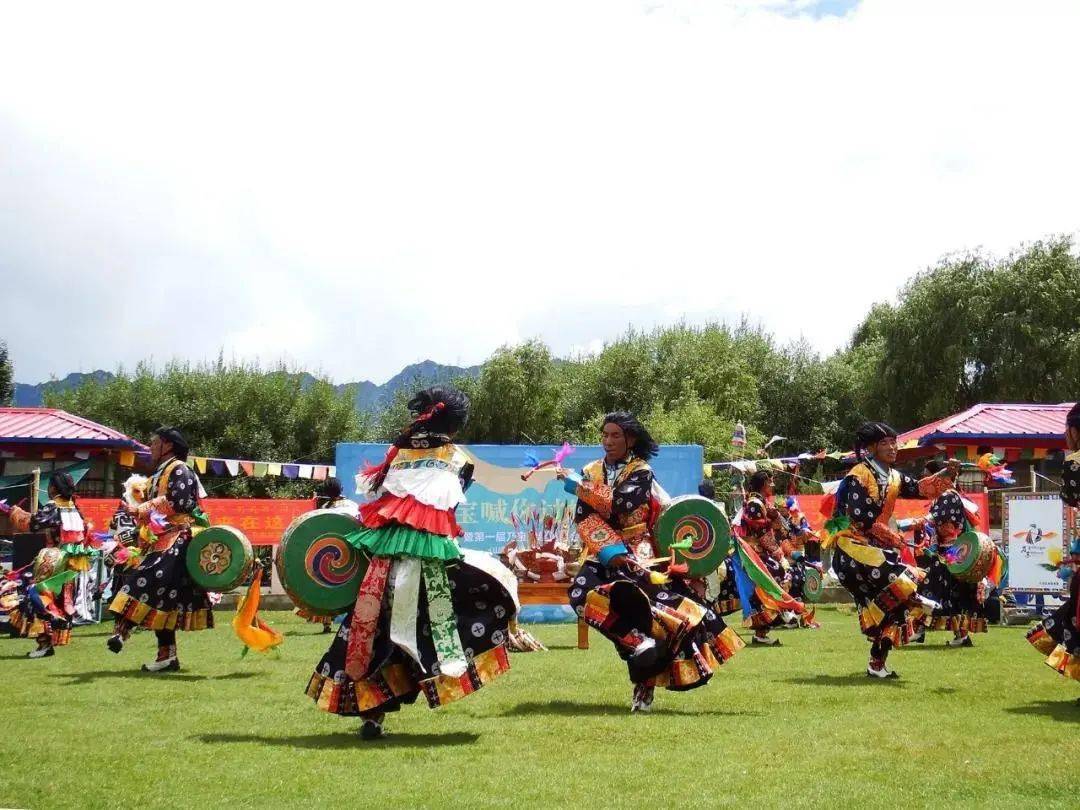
[55, 428]
[1015, 432]
[47, 439]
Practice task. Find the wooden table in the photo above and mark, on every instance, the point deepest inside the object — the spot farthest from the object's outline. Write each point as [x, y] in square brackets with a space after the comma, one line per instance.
[552, 593]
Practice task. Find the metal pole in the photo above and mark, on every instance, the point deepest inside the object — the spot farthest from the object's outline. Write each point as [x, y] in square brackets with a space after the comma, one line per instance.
[35, 486]
[1034, 480]
[99, 583]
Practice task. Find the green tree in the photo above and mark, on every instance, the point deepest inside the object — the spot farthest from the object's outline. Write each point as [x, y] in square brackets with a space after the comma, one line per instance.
[516, 397]
[690, 420]
[391, 419]
[227, 411]
[975, 329]
[648, 373]
[7, 377]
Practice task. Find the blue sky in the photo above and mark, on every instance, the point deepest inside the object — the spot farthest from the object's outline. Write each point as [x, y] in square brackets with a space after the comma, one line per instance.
[817, 8]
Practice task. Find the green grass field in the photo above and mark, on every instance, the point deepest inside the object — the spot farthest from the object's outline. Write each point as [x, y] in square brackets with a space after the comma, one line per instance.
[795, 726]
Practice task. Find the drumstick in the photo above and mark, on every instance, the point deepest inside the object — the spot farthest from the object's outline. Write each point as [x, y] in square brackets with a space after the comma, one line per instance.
[13, 575]
[543, 465]
[559, 456]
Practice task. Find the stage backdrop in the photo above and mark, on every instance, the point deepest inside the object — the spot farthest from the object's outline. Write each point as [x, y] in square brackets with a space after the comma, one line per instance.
[498, 491]
[262, 520]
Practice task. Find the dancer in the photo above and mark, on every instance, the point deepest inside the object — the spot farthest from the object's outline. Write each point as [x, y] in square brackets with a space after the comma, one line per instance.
[157, 594]
[800, 536]
[659, 623]
[757, 523]
[1058, 635]
[46, 605]
[428, 618]
[962, 603]
[866, 558]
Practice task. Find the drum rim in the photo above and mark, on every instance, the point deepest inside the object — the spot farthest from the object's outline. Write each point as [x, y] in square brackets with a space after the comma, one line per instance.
[982, 550]
[813, 573]
[279, 560]
[245, 570]
[722, 544]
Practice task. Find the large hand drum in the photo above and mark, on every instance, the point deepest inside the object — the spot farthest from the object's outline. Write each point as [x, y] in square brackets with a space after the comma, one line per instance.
[219, 558]
[319, 570]
[971, 557]
[704, 524]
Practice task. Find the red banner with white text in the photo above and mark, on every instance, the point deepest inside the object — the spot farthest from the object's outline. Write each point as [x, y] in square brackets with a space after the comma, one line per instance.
[811, 506]
[262, 520]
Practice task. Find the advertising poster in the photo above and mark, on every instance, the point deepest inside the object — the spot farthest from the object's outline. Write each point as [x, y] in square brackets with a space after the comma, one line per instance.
[1034, 531]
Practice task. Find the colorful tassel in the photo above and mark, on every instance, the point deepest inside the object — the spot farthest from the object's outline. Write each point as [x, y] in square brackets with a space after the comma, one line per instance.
[249, 628]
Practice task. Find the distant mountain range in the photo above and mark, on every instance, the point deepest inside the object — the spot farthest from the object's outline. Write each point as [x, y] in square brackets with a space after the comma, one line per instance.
[369, 396]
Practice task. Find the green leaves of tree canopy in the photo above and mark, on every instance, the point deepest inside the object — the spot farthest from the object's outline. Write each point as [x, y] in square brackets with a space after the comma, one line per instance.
[975, 329]
[7, 377]
[226, 411]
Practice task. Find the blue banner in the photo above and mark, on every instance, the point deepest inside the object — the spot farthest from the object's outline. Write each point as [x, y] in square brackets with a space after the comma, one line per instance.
[498, 495]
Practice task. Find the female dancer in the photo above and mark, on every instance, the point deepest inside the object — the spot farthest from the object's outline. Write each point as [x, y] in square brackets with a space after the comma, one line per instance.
[428, 617]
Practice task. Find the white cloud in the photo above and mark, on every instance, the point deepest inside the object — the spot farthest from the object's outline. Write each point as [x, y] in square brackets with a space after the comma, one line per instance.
[359, 186]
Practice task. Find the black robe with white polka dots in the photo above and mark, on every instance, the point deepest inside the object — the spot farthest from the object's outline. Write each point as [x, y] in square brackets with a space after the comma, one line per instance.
[158, 594]
[881, 591]
[961, 607]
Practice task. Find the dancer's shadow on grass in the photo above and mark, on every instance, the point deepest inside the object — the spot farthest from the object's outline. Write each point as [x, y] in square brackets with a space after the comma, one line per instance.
[843, 680]
[344, 740]
[568, 708]
[310, 632]
[1064, 711]
[74, 678]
